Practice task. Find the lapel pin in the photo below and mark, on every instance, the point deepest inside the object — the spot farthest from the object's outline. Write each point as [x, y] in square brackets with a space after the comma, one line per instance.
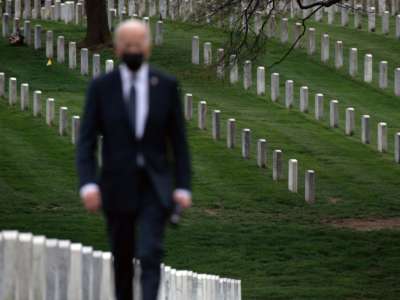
[154, 80]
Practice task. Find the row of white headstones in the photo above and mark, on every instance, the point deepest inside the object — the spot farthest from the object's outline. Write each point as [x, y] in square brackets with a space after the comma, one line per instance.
[293, 9]
[38, 31]
[71, 10]
[338, 55]
[68, 11]
[74, 11]
[36, 267]
[60, 58]
[382, 140]
[262, 148]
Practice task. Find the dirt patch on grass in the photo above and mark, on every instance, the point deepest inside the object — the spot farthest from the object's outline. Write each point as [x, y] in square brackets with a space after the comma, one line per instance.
[211, 212]
[366, 224]
[334, 200]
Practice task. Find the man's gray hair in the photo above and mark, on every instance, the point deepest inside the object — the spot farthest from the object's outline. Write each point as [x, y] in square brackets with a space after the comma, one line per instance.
[133, 23]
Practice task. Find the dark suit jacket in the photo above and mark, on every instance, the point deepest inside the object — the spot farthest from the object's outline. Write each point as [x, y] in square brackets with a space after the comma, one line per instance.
[164, 143]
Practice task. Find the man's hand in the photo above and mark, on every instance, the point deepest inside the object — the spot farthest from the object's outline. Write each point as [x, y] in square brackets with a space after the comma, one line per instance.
[92, 200]
[182, 198]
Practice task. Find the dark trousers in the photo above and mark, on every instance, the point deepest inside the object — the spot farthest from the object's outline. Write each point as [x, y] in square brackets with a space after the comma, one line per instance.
[138, 234]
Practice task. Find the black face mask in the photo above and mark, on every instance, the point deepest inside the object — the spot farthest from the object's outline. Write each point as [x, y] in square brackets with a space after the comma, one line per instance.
[133, 60]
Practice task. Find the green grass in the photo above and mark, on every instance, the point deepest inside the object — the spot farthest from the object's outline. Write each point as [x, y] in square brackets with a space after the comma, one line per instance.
[243, 224]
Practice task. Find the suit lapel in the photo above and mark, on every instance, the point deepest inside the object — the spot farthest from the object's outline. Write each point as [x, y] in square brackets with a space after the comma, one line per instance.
[152, 96]
[120, 101]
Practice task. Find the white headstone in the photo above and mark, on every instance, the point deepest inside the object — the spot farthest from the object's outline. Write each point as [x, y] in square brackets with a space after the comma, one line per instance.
[37, 104]
[51, 264]
[195, 50]
[247, 75]
[38, 37]
[353, 62]
[75, 126]
[334, 113]
[95, 286]
[289, 93]
[63, 268]
[60, 50]
[24, 265]
[9, 275]
[274, 87]
[234, 72]
[284, 30]
[75, 273]
[39, 267]
[277, 165]
[5, 25]
[383, 74]
[207, 53]
[319, 106]
[2, 84]
[12, 91]
[397, 81]
[87, 272]
[397, 147]
[262, 153]
[109, 67]
[231, 133]
[96, 71]
[188, 106]
[350, 121]
[357, 16]
[371, 19]
[385, 22]
[202, 115]
[309, 186]
[368, 68]
[84, 61]
[304, 99]
[72, 55]
[49, 44]
[50, 107]
[293, 175]
[325, 48]
[216, 128]
[365, 129]
[382, 137]
[339, 54]
[63, 120]
[27, 32]
[220, 64]
[397, 33]
[246, 142]
[24, 96]
[158, 41]
[311, 41]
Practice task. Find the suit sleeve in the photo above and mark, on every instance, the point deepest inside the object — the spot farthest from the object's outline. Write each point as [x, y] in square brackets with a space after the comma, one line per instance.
[180, 148]
[87, 140]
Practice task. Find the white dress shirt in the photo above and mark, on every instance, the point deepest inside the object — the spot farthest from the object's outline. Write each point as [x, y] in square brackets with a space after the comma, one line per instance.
[141, 82]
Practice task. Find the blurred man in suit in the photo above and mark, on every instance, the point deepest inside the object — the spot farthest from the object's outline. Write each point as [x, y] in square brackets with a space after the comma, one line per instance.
[146, 171]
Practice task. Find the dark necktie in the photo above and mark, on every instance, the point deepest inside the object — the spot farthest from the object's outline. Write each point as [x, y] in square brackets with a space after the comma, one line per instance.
[132, 119]
[132, 108]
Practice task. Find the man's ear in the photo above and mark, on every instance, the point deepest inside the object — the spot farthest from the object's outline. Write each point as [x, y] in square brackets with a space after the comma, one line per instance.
[117, 52]
[148, 53]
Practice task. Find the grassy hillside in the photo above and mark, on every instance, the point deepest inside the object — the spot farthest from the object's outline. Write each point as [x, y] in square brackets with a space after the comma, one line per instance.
[243, 224]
